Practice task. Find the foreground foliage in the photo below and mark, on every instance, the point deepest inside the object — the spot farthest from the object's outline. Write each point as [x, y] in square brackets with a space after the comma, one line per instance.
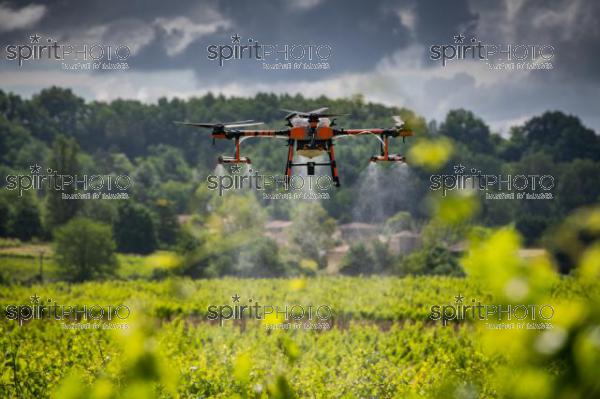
[381, 344]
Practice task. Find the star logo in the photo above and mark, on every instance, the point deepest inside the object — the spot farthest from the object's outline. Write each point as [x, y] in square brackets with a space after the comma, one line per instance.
[235, 39]
[235, 298]
[459, 169]
[35, 38]
[34, 298]
[459, 298]
[460, 38]
[235, 168]
[35, 169]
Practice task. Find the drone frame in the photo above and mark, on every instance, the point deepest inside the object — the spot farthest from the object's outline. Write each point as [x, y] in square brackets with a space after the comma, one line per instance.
[310, 137]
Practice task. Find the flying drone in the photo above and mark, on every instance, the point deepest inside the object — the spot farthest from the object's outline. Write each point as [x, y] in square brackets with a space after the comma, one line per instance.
[309, 134]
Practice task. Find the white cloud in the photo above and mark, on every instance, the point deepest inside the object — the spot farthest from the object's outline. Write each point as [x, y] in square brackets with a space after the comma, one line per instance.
[304, 4]
[142, 86]
[132, 33]
[525, 20]
[11, 19]
[182, 31]
[407, 17]
[179, 32]
[573, 19]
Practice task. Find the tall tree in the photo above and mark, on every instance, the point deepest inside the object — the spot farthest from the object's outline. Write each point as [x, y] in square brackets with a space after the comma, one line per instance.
[578, 184]
[63, 160]
[26, 221]
[85, 250]
[357, 261]
[464, 126]
[56, 110]
[562, 136]
[134, 229]
[167, 225]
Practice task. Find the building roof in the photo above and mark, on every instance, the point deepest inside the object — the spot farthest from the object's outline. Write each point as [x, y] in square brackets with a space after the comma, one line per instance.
[278, 224]
[405, 233]
[358, 226]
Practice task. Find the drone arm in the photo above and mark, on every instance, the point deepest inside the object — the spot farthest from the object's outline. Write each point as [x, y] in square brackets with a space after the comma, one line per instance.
[239, 136]
[378, 132]
[383, 135]
[246, 134]
[356, 132]
[264, 133]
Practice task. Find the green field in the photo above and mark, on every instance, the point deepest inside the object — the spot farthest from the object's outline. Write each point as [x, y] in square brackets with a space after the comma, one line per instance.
[381, 342]
[21, 264]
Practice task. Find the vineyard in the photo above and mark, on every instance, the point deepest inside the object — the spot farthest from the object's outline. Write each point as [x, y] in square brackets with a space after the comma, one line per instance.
[381, 343]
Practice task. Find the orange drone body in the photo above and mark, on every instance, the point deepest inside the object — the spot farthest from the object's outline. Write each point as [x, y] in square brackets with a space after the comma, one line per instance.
[303, 133]
[309, 134]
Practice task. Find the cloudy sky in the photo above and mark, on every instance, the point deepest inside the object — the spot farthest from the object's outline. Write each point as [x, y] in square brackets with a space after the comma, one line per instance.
[379, 48]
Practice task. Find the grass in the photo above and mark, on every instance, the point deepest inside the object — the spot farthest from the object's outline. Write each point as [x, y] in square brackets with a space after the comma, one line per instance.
[20, 263]
[385, 346]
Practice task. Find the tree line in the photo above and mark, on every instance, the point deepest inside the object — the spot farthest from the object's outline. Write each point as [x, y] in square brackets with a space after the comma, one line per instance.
[169, 163]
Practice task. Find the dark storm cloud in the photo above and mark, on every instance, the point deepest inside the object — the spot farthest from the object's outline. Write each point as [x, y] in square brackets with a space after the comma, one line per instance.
[365, 28]
[438, 21]
[571, 26]
[360, 32]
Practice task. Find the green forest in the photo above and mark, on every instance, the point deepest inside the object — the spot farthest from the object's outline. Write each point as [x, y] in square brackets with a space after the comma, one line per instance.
[168, 165]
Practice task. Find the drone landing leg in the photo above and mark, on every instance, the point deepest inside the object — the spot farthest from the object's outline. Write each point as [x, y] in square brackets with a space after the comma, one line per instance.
[333, 165]
[290, 160]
